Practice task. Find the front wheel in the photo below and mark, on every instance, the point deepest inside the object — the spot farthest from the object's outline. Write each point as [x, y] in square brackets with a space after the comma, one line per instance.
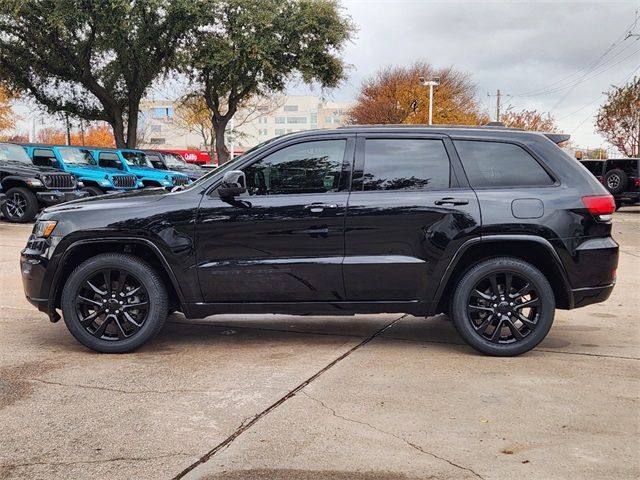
[21, 205]
[503, 307]
[114, 303]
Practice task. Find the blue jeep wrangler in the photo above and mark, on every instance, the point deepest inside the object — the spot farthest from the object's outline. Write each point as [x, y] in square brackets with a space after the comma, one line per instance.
[136, 162]
[79, 162]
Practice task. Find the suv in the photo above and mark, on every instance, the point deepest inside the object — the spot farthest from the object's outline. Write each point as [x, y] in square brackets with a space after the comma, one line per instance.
[136, 162]
[619, 176]
[29, 188]
[80, 162]
[174, 161]
[495, 227]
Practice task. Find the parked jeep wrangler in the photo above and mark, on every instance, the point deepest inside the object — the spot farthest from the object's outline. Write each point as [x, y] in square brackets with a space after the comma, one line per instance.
[29, 188]
[79, 162]
[495, 227]
[619, 176]
[136, 162]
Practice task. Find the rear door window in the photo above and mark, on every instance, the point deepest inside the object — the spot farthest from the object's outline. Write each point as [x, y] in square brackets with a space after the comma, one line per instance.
[405, 164]
[498, 164]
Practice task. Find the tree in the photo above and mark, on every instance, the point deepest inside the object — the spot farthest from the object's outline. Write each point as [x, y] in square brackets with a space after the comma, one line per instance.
[53, 135]
[249, 48]
[529, 120]
[618, 120]
[193, 115]
[7, 117]
[92, 59]
[395, 95]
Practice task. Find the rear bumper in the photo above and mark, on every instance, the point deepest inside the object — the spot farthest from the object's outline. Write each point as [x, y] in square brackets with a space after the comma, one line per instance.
[53, 197]
[587, 296]
[628, 197]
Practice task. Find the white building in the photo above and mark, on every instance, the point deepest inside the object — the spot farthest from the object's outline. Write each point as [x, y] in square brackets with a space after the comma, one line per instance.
[160, 128]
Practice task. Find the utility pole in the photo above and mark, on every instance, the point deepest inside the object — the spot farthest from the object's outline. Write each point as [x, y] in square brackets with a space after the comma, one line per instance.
[498, 96]
[66, 118]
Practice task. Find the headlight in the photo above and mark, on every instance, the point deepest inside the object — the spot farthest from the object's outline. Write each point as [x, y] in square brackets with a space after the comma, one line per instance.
[104, 183]
[34, 183]
[44, 229]
[80, 184]
[166, 182]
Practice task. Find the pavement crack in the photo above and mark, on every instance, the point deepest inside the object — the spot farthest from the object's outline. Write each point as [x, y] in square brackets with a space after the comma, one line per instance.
[109, 389]
[102, 460]
[245, 426]
[398, 437]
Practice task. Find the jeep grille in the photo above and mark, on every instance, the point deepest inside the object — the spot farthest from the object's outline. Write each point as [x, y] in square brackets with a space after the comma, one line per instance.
[59, 181]
[125, 181]
[180, 180]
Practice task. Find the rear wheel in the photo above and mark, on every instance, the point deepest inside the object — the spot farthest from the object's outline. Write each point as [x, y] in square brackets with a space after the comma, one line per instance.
[114, 303]
[503, 306]
[21, 205]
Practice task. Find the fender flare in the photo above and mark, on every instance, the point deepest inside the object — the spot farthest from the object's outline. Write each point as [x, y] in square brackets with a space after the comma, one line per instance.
[502, 238]
[56, 280]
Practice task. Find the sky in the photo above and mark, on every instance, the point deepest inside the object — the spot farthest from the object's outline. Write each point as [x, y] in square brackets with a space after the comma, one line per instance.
[553, 56]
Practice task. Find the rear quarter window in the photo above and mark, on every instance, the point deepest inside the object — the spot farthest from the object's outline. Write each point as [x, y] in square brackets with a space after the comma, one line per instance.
[498, 164]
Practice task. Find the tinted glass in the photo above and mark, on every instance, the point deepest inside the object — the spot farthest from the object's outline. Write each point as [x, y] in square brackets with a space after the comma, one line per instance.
[405, 164]
[494, 164]
[311, 167]
[137, 159]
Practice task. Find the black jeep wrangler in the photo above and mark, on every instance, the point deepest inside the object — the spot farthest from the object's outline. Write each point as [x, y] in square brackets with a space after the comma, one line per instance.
[619, 176]
[495, 227]
[29, 188]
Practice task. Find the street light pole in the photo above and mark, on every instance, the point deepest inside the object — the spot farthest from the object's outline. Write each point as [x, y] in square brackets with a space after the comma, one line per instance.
[430, 83]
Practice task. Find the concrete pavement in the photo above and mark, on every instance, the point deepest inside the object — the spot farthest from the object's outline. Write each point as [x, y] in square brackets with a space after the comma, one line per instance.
[364, 398]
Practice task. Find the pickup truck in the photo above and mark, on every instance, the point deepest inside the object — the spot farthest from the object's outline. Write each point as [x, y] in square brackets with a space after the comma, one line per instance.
[619, 176]
[79, 162]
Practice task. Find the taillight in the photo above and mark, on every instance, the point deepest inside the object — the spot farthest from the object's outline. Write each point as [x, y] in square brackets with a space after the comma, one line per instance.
[600, 206]
[637, 182]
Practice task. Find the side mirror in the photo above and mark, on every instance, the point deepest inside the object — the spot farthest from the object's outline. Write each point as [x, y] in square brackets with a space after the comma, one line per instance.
[233, 183]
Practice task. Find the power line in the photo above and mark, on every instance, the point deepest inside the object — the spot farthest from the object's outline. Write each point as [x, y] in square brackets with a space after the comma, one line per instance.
[591, 66]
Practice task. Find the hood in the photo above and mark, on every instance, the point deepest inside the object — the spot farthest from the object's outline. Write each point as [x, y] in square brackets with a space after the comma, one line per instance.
[109, 202]
[26, 170]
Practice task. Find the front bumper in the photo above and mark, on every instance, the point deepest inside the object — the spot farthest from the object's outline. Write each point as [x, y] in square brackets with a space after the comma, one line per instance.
[53, 197]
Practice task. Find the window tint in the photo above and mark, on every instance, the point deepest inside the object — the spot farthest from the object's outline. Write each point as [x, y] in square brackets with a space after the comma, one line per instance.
[494, 164]
[109, 160]
[311, 167]
[405, 164]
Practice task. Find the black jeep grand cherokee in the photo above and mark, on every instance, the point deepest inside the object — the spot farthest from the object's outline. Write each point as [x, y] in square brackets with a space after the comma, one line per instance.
[495, 227]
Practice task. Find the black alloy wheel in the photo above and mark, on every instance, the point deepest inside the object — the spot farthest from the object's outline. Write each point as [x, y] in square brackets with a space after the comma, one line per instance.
[503, 306]
[114, 302]
[21, 205]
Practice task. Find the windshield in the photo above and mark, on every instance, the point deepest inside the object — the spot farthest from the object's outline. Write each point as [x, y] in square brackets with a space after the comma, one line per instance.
[137, 159]
[173, 160]
[9, 152]
[76, 156]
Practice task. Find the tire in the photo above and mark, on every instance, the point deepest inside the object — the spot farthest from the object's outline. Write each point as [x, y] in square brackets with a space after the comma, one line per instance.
[93, 191]
[616, 181]
[477, 312]
[21, 205]
[85, 292]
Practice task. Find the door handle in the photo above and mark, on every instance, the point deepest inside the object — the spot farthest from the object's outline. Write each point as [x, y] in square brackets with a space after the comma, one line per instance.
[319, 207]
[452, 201]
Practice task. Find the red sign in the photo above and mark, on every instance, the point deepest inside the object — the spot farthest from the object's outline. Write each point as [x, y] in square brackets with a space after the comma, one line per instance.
[191, 156]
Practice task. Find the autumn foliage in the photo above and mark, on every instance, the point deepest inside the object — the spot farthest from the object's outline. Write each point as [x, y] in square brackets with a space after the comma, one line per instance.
[395, 95]
[7, 117]
[618, 120]
[529, 120]
[96, 136]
